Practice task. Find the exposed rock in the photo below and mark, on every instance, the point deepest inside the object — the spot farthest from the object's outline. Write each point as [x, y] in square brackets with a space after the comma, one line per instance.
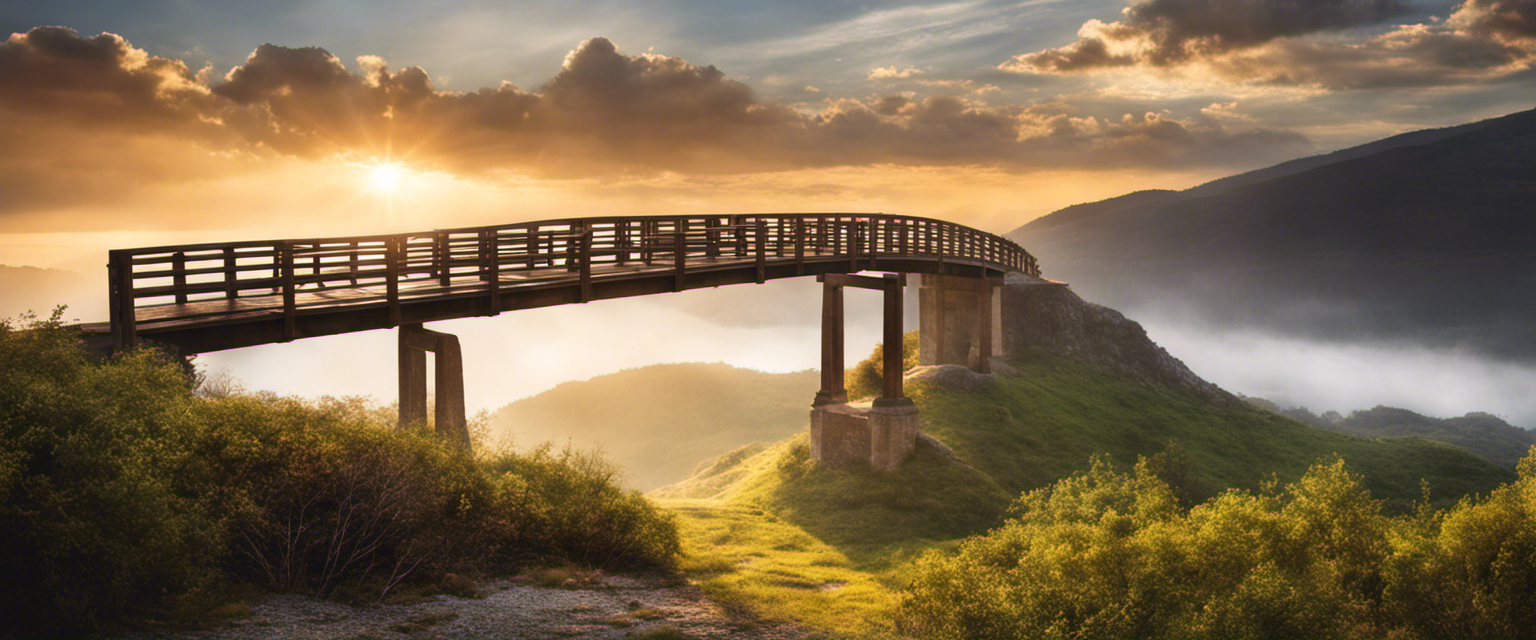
[1041, 316]
[949, 376]
[925, 441]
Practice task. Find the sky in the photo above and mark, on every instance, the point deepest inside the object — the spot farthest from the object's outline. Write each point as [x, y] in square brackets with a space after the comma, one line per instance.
[160, 121]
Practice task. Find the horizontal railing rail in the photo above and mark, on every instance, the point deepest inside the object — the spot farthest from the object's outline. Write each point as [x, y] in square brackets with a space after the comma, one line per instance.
[235, 280]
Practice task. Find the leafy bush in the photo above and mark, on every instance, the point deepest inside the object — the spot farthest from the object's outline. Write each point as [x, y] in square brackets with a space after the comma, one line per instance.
[128, 495]
[867, 378]
[1106, 554]
[96, 524]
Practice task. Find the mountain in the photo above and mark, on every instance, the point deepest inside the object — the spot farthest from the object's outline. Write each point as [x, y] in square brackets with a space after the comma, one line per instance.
[656, 423]
[1485, 434]
[24, 289]
[1429, 236]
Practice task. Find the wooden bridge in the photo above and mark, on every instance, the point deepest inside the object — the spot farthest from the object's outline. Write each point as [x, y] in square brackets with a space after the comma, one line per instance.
[208, 297]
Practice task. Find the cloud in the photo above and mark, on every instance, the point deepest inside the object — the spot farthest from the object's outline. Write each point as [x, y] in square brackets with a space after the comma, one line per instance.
[891, 72]
[1283, 42]
[603, 113]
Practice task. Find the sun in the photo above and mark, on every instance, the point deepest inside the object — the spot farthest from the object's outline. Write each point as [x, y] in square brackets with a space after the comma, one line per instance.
[385, 177]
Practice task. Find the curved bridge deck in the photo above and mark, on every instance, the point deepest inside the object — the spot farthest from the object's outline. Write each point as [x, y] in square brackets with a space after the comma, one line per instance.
[208, 297]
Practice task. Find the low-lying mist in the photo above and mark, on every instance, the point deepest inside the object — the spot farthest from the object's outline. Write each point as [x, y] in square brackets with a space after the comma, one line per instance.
[1346, 377]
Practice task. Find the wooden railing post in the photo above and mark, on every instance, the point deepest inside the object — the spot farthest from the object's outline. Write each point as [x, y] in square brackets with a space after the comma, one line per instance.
[442, 258]
[762, 250]
[799, 245]
[231, 276]
[121, 299]
[392, 250]
[290, 299]
[584, 262]
[179, 276]
[680, 253]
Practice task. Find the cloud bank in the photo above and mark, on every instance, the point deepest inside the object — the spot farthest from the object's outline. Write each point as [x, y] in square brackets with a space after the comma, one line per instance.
[1333, 44]
[603, 113]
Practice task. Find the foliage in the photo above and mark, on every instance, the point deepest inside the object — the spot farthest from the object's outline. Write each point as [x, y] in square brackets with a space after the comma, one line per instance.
[129, 495]
[1106, 554]
[867, 378]
[1044, 423]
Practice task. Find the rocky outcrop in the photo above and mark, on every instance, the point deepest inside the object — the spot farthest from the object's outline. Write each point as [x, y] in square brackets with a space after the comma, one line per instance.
[1045, 317]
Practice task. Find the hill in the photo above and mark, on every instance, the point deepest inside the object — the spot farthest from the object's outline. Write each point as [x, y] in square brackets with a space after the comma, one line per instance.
[24, 289]
[656, 423]
[1485, 434]
[1426, 236]
[1081, 381]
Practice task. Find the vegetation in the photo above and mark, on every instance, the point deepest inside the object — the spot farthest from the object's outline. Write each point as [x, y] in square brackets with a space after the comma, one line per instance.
[131, 497]
[1041, 429]
[1046, 422]
[1106, 554]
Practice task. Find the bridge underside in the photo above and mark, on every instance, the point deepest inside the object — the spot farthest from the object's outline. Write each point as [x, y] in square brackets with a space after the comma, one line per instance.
[256, 320]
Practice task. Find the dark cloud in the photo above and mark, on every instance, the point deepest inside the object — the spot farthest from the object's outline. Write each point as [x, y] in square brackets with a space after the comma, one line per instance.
[1167, 32]
[603, 113]
[1267, 42]
[1512, 20]
[56, 72]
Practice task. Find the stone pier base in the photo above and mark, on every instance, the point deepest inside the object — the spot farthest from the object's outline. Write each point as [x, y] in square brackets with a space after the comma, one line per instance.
[882, 437]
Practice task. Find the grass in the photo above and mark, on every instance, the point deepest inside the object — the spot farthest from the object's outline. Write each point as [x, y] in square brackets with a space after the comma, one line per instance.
[758, 565]
[770, 533]
[1044, 424]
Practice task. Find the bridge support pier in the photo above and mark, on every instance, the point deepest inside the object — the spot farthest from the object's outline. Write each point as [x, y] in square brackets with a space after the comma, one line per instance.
[959, 321]
[881, 433]
[448, 374]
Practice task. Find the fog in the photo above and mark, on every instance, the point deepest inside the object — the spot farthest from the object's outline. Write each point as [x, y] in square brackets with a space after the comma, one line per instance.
[1346, 377]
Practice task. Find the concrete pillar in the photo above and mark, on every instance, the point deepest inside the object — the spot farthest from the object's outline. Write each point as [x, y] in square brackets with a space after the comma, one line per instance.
[448, 378]
[413, 382]
[832, 389]
[959, 321]
[883, 433]
[891, 395]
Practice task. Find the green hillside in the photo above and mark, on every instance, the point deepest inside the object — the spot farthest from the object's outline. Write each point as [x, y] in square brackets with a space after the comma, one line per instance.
[656, 423]
[1028, 429]
[1046, 421]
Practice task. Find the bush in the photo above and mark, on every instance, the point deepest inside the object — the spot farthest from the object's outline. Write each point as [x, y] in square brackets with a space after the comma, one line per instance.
[128, 496]
[96, 525]
[867, 378]
[1106, 554]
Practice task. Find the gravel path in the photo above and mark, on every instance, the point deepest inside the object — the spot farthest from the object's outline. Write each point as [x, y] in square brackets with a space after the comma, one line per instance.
[613, 607]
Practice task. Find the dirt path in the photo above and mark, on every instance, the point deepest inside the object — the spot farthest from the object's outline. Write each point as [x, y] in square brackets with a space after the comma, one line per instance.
[613, 607]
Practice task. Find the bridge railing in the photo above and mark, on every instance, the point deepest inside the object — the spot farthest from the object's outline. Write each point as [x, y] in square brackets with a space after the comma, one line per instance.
[233, 279]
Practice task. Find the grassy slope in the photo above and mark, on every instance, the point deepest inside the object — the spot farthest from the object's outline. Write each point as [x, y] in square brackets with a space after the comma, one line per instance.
[1024, 432]
[658, 422]
[1032, 429]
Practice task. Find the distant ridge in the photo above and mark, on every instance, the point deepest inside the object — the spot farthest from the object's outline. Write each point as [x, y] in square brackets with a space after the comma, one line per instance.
[1428, 236]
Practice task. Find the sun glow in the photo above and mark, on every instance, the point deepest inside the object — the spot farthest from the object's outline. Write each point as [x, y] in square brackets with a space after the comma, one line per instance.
[385, 177]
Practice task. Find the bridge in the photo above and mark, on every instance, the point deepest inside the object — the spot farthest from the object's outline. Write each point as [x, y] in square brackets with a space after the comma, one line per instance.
[199, 298]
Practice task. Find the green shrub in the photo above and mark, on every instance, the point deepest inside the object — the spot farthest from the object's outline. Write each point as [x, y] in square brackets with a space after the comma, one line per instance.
[867, 378]
[96, 525]
[128, 496]
[1105, 554]
[567, 506]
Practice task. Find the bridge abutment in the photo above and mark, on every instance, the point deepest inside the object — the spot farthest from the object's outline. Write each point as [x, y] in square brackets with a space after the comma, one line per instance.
[448, 382]
[958, 321]
[883, 432]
